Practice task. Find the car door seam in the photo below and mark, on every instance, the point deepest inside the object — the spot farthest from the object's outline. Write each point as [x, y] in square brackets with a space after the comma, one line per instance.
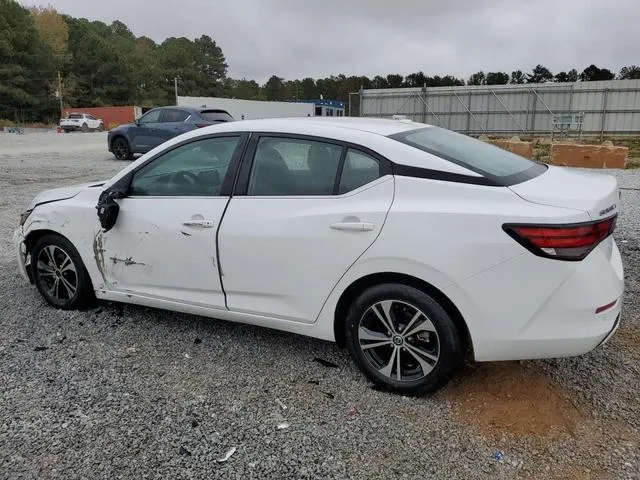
[393, 198]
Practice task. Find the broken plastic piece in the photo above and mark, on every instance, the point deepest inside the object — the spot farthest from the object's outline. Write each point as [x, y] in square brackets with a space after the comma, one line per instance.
[186, 355]
[282, 405]
[184, 452]
[42, 349]
[227, 455]
[283, 426]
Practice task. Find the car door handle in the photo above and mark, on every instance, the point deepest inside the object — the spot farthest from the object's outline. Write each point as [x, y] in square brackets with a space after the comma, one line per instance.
[198, 223]
[353, 226]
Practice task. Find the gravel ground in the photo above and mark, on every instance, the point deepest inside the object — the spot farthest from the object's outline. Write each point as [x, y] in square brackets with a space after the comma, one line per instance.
[129, 392]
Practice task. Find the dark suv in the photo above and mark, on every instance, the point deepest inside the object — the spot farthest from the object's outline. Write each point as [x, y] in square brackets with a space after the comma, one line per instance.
[159, 125]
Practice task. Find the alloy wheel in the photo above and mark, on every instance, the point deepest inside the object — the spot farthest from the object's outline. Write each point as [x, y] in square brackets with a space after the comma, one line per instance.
[57, 273]
[399, 340]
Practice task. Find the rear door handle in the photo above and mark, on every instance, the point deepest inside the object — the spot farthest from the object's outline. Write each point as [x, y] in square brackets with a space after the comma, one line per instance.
[353, 226]
[198, 223]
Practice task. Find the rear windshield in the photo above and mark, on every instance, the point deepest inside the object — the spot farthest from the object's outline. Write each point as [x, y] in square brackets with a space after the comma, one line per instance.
[75, 115]
[216, 116]
[503, 167]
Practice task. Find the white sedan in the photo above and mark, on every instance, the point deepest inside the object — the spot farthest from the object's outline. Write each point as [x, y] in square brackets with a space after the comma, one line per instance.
[413, 246]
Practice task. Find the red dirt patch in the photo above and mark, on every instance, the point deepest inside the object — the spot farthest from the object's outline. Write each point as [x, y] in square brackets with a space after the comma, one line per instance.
[508, 400]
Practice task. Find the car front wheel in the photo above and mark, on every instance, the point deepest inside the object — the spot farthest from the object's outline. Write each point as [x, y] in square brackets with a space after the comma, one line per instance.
[402, 339]
[60, 274]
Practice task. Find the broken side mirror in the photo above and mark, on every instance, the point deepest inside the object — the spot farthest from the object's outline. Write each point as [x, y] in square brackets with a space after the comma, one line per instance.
[107, 206]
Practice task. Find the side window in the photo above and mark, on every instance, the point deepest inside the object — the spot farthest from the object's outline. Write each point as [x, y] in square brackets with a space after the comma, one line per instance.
[287, 166]
[90, 117]
[194, 169]
[151, 117]
[174, 116]
[359, 169]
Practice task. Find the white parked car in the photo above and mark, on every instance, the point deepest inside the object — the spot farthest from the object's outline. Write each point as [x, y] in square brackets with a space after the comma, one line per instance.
[81, 121]
[411, 245]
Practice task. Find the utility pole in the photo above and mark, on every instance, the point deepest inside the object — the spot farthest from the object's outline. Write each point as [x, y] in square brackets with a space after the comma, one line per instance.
[60, 92]
[175, 85]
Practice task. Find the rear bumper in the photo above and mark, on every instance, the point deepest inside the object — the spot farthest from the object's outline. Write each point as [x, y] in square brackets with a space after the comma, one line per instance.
[551, 314]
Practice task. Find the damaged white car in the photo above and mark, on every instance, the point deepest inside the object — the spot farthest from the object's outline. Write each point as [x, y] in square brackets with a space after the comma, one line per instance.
[411, 245]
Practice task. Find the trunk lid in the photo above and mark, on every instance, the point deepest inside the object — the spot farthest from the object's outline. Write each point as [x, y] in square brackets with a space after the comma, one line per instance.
[594, 193]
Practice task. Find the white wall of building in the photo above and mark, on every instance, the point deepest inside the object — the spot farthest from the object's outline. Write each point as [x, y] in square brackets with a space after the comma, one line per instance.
[250, 109]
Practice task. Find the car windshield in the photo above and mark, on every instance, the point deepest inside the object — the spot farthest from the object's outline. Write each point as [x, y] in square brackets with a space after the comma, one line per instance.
[216, 116]
[497, 164]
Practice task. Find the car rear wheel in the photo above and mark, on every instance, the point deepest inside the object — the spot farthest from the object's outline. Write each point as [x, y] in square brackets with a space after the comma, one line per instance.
[402, 339]
[101, 127]
[120, 149]
[60, 274]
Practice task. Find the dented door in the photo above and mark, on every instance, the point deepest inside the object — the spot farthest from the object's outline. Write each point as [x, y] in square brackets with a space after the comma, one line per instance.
[163, 243]
[165, 248]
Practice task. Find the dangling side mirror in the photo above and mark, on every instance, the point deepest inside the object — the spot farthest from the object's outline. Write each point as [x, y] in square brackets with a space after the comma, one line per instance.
[107, 206]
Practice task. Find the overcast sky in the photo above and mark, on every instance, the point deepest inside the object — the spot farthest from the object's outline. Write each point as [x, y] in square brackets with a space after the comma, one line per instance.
[317, 38]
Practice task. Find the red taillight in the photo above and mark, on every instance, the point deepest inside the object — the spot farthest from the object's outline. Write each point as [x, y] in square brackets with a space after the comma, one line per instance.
[562, 242]
[202, 125]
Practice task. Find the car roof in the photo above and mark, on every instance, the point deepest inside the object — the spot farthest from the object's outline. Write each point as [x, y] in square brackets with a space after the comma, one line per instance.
[302, 125]
[188, 109]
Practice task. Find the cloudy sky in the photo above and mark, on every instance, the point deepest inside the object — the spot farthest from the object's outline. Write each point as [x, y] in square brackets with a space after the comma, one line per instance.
[317, 38]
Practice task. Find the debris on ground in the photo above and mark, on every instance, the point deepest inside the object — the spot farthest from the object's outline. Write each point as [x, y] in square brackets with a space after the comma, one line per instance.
[186, 355]
[281, 403]
[497, 455]
[352, 412]
[197, 341]
[283, 426]
[325, 363]
[184, 452]
[40, 349]
[329, 395]
[227, 455]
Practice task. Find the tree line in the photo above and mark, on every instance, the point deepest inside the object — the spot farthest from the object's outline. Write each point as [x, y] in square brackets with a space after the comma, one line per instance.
[46, 56]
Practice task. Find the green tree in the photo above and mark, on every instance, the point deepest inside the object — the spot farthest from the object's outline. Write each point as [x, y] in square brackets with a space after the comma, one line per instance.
[497, 78]
[593, 73]
[395, 80]
[478, 78]
[26, 67]
[274, 89]
[517, 77]
[629, 73]
[539, 74]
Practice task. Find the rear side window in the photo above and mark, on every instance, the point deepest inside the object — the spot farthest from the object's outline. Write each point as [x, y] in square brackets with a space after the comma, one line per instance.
[216, 116]
[288, 166]
[359, 169]
[174, 116]
[75, 115]
[500, 166]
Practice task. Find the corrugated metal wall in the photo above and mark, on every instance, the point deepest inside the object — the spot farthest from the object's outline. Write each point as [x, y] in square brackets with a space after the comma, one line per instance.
[609, 107]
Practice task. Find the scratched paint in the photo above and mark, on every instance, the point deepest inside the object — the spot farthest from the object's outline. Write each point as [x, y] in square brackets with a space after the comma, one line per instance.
[127, 261]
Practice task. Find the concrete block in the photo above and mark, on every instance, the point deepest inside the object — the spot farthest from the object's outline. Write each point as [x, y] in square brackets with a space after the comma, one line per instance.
[588, 156]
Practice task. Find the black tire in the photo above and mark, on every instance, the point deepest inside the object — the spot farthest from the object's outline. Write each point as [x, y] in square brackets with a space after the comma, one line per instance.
[439, 338]
[65, 130]
[120, 148]
[54, 257]
[101, 127]
[85, 127]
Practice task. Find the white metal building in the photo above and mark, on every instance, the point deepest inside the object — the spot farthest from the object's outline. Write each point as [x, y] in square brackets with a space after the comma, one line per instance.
[605, 107]
[250, 109]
